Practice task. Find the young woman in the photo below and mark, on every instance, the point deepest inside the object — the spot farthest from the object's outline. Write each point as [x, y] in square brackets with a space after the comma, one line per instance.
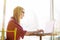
[18, 13]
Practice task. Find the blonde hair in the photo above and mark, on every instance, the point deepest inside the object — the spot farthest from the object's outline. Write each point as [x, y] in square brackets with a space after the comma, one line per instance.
[16, 13]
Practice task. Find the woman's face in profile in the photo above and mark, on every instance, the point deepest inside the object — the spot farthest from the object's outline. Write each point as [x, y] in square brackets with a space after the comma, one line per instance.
[21, 14]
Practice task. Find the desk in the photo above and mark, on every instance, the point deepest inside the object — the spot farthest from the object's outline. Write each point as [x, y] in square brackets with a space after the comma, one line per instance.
[42, 34]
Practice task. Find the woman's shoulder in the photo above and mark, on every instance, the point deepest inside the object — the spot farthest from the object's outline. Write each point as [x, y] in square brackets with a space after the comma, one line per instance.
[12, 21]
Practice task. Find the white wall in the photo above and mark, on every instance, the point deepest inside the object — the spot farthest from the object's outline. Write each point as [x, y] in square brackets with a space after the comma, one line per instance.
[57, 15]
[1, 15]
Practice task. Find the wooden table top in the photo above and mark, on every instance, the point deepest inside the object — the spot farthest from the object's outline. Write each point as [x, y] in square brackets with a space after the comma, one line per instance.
[42, 34]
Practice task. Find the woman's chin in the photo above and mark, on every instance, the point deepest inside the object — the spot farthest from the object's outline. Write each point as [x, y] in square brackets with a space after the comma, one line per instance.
[21, 18]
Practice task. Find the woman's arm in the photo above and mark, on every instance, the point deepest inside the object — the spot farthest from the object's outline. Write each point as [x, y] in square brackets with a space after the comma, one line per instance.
[32, 32]
[29, 33]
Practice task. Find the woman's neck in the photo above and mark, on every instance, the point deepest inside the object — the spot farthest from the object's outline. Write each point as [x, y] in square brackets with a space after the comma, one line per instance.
[16, 20]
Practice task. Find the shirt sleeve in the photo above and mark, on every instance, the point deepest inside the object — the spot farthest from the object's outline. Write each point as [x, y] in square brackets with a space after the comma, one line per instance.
[20, 31]
[22, 34]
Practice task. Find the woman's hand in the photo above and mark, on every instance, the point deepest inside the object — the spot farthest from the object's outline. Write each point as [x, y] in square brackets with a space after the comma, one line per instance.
[39, 31]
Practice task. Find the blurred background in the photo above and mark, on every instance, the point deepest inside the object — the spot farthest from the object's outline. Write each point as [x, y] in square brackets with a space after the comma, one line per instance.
[37, 16]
